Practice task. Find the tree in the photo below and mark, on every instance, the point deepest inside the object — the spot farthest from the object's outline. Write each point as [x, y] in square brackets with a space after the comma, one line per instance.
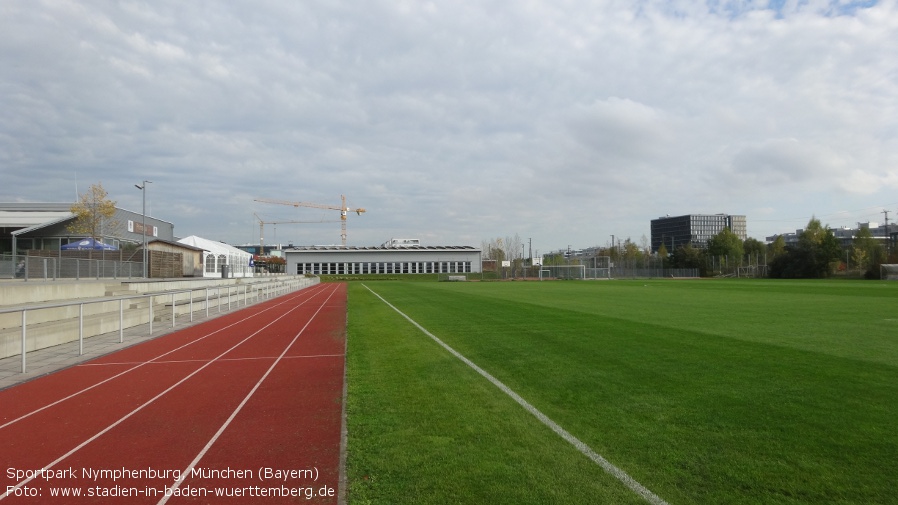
[494, 250]
[94, 213]
[726, 243]
[630, 251]
[272, 264]
[866, 253]
[816, 254]
[486, 249]
[823, 247]
[690, 257]
[754, 248]
[554, 259]
[662, 252]
[860, 258]
[777, 247]
[513, 247]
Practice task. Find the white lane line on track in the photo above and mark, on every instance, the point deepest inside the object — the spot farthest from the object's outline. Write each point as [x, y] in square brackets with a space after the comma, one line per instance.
[13, 489]
[221, 360]
[151, 361]
[233, 415]
[584, 449]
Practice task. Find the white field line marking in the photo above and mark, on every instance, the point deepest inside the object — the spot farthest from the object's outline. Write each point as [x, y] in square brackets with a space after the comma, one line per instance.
[57, 402]
[233, 415]
[13, 489]
[584, 449]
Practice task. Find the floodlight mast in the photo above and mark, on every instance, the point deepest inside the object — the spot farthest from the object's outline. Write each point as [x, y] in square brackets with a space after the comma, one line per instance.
[143, 188]
[343, 210]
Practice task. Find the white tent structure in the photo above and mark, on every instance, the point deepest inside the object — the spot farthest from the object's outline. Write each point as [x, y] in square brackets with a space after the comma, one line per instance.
[218, 256]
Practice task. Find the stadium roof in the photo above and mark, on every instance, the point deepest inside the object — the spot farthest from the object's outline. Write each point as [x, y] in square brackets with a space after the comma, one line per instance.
[30, 215]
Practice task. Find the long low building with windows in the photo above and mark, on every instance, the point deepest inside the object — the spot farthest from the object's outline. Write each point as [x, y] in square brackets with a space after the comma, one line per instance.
[384, 259]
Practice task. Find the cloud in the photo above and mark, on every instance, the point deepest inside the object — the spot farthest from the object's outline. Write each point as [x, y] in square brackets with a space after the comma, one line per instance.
[621, 129]
[785, 161]
[565, 121]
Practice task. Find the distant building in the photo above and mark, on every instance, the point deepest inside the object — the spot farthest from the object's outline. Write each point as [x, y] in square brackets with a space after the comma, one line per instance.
[695, 229]
[25, 226]
[220, 259]
[401, 242]
[396, 256]
[191, 264]
[846, 235]
[266, 250]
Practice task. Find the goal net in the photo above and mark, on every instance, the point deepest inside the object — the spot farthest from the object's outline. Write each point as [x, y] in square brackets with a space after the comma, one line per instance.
[601, 268]
[888, 272]
[562, 272]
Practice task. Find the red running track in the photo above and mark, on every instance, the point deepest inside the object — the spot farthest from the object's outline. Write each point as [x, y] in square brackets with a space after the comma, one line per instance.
[245, 408]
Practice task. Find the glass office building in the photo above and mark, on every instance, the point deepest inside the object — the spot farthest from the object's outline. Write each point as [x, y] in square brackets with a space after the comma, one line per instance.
[695, 229]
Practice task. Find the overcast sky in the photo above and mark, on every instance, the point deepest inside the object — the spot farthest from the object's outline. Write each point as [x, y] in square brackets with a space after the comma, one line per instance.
[454, 122]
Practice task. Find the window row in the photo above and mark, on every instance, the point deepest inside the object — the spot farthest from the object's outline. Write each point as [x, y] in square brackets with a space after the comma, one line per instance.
[417, 267]
[212, 266]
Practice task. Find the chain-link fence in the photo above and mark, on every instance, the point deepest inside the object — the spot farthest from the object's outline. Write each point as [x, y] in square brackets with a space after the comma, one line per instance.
[49, 268]
[641, 273]
[614, 272]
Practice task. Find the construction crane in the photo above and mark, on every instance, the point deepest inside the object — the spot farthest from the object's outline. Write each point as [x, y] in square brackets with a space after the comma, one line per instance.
[263, 223]
[344, 210]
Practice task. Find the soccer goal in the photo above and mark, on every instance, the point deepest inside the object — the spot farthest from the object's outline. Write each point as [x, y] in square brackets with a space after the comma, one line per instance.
[562, 272]
[888, 272]
[601, 268]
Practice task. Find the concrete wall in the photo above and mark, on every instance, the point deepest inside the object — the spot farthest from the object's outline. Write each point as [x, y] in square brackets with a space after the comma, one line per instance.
[23, 293]
[102, 308]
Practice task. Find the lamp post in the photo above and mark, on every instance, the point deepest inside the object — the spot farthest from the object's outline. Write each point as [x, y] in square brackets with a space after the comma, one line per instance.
[143, 189]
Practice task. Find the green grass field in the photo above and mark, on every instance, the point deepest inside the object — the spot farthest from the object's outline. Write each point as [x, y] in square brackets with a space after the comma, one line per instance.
[704, 391]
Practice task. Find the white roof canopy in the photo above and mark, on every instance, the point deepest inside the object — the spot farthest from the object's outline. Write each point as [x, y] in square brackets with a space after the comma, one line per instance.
[214, 247]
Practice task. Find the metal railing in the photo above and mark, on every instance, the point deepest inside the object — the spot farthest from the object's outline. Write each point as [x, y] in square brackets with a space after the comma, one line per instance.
[51, 268]
[213, 298]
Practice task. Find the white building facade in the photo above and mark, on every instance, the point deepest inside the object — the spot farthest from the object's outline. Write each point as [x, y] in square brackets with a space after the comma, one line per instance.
[846, 235]
[404, 259]
[220, 259]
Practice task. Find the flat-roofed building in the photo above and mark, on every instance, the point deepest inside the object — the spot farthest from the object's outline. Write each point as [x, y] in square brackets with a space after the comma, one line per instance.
[27, 226]
[881, 233]
[695, 229]
[404, 258]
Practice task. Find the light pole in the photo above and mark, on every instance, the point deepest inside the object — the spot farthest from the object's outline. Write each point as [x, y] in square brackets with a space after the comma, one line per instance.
[530, 254]
[143, 189]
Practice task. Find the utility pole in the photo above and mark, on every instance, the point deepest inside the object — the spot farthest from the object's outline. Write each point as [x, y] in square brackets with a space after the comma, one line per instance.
[530, 253]
[888, 237]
